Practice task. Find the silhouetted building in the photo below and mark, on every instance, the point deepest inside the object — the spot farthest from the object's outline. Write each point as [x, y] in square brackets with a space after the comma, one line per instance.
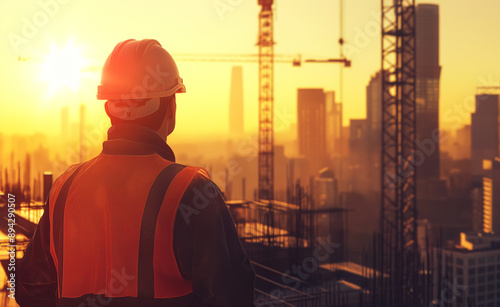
[27, 178]
[374, 130]
[298, 170]
[244, 181]
[468, 270]
[41, 159]
[336, 146]
[476, 196]
[47, 184]
[236, 101]
[374, 105]
[459, 180]
[333, 125]
[427, 90]
[280, 165]
[311, 127]
[424, 235]
[462, 148]
[359, 154]
[484, 147]
[484, 133]
[325, 191]
[325, 196]
[491, 196]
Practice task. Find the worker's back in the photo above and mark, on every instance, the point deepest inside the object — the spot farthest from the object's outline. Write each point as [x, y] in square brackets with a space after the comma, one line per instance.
[113, 206]
[131, 227]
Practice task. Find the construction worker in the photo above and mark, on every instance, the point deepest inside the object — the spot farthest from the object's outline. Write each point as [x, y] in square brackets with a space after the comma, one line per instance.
[131, 227]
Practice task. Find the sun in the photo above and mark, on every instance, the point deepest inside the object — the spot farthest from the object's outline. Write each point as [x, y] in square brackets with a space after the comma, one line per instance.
[62, 68]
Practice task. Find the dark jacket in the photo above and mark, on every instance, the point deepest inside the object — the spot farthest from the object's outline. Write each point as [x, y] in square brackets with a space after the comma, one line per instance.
[205, 243]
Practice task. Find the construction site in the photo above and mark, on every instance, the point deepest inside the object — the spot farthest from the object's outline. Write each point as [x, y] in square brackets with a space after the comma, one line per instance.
[301, 231]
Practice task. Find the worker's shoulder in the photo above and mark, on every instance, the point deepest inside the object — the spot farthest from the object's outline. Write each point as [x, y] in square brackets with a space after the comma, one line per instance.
[63, 178]
[202, 200]
[74, 169]
[202, 183]
[200, 176]
[200, 173]
[68, 172]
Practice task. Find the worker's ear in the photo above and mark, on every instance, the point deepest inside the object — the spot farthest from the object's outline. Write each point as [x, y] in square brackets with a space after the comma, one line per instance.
[171, 109]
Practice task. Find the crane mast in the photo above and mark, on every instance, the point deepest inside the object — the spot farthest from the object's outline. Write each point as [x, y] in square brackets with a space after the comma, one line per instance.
[399, 250]
[266, 100]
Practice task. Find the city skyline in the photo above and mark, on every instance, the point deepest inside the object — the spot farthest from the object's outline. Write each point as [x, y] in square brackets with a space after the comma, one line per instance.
[395, 174]
[234, 29]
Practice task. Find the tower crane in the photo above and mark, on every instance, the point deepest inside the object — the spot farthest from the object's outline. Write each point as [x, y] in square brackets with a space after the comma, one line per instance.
[399, 257]
[266, 97]
[266, 100]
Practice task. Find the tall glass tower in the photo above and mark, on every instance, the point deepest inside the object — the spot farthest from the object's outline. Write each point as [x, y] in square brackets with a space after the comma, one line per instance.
[427, 89]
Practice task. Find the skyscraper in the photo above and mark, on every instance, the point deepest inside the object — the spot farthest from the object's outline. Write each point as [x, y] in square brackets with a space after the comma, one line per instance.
[374, 131]
[333, 125]
[469, 270]
[427, 85]
[491, 197]
[359, 164]
[330, 122]
[374, 105]
[484, 133]
[27, 178]
[484, 149]
[311, 127]
[236, 101]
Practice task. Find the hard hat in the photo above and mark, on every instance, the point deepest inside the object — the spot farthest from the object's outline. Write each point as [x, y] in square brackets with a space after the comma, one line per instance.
[138, 70]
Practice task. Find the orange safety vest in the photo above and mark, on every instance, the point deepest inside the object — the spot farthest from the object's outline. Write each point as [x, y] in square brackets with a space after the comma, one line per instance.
[111, 227]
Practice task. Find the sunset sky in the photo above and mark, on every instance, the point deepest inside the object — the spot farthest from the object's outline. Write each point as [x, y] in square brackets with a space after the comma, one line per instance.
[470, 56]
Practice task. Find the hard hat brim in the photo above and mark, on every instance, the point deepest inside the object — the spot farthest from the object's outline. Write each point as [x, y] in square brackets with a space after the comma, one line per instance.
[102, 95]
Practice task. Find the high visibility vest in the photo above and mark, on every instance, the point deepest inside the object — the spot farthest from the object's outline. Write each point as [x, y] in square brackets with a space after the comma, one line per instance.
[111, 227]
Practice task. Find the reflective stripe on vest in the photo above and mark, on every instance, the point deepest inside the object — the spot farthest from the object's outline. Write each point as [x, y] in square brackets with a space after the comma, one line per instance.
[112, 221]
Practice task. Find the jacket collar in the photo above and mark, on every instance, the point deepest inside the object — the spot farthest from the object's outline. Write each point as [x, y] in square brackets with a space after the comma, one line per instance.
[130, 139]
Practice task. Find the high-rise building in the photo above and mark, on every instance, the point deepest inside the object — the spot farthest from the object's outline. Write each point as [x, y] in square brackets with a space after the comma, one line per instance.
[333, 125]
[325, 192]
[280, 163]
[461, 148]
[330, 121]
[27, 178]
[335, 148]
[484, 133]
[490, 221]
[374, 131]
[236, 101]
[311, 127]
[374, 104]
[358, 153]
[470, 271]
[427, 86]
[325, 195]
[476, 195]
[337, 129]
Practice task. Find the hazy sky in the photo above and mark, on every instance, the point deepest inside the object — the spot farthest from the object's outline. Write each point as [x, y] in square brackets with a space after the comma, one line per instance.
[470, 55]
